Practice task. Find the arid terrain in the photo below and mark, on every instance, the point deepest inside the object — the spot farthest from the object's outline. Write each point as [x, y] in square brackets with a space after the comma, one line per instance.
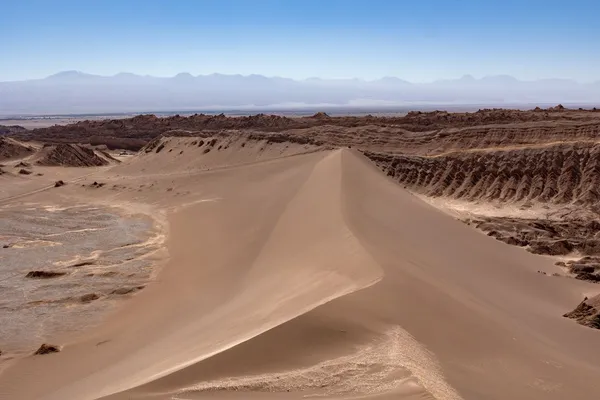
[434, 255]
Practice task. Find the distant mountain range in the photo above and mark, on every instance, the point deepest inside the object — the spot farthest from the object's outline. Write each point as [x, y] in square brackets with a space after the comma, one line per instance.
[74, 92]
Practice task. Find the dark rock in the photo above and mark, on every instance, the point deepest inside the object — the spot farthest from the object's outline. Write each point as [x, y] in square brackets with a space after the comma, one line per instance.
[70, 155]
[514, 241]
[47, 349]
[580, 268]
[86, 298]
[44, 274]
[59, 183]
[82, 264]
[127, 290]
[557, 248]
[585, 276]
[586, 314]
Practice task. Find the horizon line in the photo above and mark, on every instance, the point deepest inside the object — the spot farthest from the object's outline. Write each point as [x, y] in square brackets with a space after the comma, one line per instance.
[464, 78]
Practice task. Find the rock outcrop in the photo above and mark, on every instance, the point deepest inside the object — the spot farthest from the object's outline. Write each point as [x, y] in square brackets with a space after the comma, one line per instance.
[69, 155]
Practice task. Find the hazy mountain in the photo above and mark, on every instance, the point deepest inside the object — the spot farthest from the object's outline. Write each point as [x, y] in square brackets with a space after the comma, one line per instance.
[78, 92]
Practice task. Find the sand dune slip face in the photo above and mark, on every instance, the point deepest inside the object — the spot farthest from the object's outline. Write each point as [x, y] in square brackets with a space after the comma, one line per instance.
[297, 272]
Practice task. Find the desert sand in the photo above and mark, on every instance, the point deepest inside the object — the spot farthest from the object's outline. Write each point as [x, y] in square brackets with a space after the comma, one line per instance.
[294, 267]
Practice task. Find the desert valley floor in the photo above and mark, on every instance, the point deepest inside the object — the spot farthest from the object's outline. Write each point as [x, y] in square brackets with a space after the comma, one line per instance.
[431, 256]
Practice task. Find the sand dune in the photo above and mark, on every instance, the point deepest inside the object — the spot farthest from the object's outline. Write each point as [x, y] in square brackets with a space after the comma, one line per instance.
[305, 272]
[184, 154]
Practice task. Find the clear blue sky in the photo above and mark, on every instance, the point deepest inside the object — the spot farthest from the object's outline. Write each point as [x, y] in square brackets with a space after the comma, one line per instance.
[418, 40]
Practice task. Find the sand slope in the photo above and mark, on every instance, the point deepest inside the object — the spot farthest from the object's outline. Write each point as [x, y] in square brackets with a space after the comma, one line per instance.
[174, 154]
[316, 274]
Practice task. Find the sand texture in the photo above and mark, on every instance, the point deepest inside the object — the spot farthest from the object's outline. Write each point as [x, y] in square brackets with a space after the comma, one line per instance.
[292, 267]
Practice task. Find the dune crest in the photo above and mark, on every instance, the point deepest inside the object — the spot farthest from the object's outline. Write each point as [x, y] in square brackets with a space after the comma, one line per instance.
[293, 267]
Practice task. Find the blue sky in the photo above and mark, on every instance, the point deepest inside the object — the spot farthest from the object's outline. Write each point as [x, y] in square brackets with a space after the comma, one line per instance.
[419, 40]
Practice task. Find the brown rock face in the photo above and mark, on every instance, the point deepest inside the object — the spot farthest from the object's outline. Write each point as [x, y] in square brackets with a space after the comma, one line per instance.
[12, 149]
[86, 298]
[44, 274]
[5, 130]
[47, 349]
[134, 133]
[587, 313]
[557, 173]
[69, 155]
[547, 155]
[554, 248]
